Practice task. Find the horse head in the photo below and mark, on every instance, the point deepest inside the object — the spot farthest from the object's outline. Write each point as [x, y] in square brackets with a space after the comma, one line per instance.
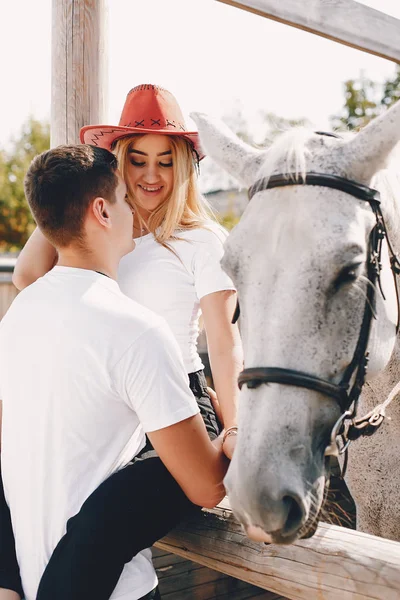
[301, 259]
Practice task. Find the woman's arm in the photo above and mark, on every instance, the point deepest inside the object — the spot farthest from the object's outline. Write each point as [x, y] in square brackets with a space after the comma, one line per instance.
[225, 350]
[36, 258]
[9, 595]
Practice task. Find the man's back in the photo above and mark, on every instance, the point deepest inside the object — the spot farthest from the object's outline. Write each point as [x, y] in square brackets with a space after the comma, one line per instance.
[79, 370]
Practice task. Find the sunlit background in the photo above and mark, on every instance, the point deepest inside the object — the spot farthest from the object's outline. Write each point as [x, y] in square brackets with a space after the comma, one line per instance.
[253, 72]
[215, 58]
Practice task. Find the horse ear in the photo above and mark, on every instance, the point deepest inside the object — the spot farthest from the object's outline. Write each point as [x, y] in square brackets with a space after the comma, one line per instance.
[368, 152]
[237, 158]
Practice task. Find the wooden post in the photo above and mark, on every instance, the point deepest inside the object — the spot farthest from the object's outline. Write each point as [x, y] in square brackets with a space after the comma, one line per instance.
[344, 21]
[335, 563]
[79, 67]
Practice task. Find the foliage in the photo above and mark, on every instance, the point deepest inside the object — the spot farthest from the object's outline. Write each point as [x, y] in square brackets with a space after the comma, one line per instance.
[229, 219]
[365, 100]
[391, 90]
[16, 222]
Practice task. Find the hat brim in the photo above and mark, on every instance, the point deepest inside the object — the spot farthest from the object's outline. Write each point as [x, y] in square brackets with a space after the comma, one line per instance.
[104, 136]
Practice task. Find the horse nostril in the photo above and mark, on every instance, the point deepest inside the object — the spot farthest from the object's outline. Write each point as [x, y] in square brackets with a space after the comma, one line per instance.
[295, 514]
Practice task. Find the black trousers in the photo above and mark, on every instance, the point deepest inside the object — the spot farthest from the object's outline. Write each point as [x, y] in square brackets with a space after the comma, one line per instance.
[128, 512]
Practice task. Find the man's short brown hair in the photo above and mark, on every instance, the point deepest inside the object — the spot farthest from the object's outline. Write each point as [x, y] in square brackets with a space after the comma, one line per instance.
[60, 185]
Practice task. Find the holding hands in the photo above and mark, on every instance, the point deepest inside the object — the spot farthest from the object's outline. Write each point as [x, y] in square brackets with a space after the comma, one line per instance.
[228, 435]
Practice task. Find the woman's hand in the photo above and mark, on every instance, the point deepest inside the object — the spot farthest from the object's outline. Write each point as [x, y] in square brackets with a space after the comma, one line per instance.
[229, 442]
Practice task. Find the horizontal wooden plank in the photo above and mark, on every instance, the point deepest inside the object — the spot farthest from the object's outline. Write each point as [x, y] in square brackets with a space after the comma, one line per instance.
[210, 586]
[343, 21]
[177, 581]
[335, 563]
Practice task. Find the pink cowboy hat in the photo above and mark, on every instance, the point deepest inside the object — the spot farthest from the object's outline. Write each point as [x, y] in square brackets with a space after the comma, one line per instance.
[147, 109]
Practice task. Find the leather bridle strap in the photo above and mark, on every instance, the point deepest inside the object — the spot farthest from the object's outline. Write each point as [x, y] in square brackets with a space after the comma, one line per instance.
[362, 192]
[254, 377]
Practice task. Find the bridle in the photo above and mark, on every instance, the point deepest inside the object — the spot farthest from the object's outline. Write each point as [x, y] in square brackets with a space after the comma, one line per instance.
[347, 392]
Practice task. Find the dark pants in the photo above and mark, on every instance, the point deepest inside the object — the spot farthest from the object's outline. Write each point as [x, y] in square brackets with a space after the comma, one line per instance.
[154, 595]
[128, 512]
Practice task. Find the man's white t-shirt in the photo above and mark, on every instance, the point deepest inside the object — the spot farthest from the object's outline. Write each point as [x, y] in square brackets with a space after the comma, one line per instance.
[84, 373]
[173, 283]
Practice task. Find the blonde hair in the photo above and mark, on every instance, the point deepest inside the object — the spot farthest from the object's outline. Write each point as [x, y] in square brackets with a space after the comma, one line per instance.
[186, 208]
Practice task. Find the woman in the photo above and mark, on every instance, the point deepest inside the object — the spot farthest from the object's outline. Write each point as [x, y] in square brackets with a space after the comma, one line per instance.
[175, 271]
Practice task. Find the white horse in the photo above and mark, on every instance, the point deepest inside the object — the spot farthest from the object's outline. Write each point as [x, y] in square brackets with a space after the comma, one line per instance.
[300, 260]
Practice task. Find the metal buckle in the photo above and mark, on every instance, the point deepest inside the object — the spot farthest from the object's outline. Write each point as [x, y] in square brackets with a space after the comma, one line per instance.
[339, 433]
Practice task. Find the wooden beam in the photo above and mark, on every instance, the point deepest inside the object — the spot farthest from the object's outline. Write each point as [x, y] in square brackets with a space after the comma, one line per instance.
[79, 67]
[343, 21]
[335, 563]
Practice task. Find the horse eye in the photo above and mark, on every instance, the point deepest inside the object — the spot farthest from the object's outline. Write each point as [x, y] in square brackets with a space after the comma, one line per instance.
[347, 275]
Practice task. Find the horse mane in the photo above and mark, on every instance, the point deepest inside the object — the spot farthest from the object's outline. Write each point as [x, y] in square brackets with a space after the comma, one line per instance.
[387, 182]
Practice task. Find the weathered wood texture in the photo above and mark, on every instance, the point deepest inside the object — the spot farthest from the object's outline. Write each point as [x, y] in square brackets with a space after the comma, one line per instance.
[7, 294]
[181, 579]
[79, 67]
[344, 21]
[335, 563]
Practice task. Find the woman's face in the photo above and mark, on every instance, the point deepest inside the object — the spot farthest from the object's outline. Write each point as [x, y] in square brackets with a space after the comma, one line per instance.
[150, 171]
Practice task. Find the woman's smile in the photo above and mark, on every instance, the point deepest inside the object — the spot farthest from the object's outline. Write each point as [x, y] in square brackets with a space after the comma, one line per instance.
[150, 190]
[150, 170]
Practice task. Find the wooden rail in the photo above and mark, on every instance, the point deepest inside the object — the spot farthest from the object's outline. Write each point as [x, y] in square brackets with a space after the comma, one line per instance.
[335, 563]
[343, 21]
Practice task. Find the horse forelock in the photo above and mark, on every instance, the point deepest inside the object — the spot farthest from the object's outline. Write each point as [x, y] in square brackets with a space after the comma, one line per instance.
[293, 150]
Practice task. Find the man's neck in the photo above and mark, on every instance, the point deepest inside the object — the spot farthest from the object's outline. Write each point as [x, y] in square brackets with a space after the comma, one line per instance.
[91, 262]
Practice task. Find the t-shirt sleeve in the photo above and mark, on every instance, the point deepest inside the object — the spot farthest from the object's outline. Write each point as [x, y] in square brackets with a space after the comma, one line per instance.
[209, 276]
[152, 380]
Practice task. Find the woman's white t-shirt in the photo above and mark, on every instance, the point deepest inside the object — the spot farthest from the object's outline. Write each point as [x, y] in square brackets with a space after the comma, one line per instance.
[172, 283]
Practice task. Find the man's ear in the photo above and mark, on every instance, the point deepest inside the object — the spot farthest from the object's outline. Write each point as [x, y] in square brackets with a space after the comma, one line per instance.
[101, 212]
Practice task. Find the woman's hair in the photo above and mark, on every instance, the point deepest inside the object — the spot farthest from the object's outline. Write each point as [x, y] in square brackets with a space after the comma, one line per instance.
[186, 208]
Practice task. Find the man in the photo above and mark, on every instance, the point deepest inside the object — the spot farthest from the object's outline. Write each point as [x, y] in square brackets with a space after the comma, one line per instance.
[85, 372]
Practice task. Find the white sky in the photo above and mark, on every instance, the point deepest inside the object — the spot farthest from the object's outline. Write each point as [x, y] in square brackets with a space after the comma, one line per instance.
[210, 55]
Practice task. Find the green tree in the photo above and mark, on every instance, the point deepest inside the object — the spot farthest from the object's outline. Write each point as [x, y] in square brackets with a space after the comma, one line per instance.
[391, 89]
[229, 219]
[365, 100]
[16, 222]
[360, 105]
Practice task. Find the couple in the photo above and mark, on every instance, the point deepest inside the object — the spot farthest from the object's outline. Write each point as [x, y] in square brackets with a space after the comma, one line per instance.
[105, 409]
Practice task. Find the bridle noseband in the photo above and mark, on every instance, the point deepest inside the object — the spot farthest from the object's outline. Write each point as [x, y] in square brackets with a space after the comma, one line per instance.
[345, 393]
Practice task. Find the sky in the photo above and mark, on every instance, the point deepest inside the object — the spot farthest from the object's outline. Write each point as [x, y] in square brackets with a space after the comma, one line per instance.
[213, 57]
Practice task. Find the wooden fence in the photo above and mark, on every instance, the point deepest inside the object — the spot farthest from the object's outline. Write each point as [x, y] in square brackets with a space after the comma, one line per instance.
[337, 563]
[7, 289]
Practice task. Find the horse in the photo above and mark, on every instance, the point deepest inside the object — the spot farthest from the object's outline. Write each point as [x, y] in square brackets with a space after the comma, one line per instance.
[312, 260]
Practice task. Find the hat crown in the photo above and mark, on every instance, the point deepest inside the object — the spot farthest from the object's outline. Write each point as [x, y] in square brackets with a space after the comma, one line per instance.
[151, 107]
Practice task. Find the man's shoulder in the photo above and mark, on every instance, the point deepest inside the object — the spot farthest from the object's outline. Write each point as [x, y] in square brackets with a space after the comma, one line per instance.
[129, 314]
